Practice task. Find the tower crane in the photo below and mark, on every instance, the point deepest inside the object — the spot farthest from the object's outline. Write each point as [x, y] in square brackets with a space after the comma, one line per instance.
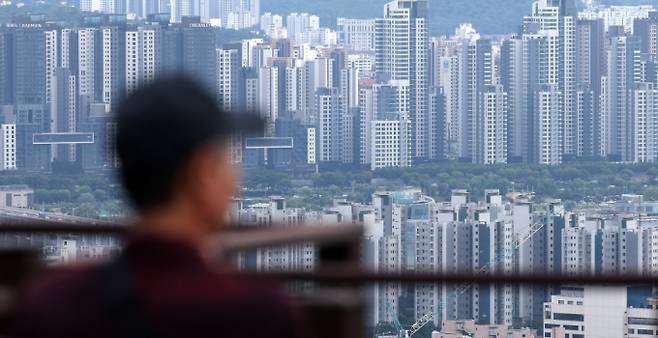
[415, 327]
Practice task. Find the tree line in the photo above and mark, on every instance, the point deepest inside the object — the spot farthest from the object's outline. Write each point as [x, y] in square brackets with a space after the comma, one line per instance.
[572, 182]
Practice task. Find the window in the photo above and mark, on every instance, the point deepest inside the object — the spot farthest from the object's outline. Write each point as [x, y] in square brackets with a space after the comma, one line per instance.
[643, 321]
[568, 316]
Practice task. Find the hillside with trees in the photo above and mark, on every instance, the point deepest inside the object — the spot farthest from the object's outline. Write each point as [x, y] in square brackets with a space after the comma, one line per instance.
[571, 182]
[487, 16]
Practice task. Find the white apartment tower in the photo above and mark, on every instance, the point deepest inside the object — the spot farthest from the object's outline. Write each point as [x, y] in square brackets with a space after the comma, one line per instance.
[622, 56]
[228, 77]
[386, 144]
[8, 146]
[476, 74]
[272, 25]
[577, 251]
[142, 57]
[548, 125]
[450, 79]
[599, 311]
[112, 44]
[238, 14]
[104, 6]
[366, 110]
[492, 136]
[357, 34]
[554, 21]
[181, 8]
[649, 242]
[268, 95]
[298, 24]
[52, 62]
[644, 119]
[87, 62]
[402, 53]
[328, 108]
[512, 72]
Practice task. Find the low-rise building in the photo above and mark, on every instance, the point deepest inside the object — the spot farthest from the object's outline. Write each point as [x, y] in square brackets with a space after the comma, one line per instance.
[468, 329]
[16, 196]
[602, 311]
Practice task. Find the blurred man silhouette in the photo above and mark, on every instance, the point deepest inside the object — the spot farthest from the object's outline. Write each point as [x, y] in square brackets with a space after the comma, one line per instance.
[176, 168]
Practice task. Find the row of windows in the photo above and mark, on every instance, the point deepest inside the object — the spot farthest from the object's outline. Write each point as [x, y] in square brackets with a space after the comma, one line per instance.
[568, 316]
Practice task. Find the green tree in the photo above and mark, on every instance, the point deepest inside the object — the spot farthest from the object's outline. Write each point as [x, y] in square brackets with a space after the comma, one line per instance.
[100, 195]
[88, 210]
[86, 198]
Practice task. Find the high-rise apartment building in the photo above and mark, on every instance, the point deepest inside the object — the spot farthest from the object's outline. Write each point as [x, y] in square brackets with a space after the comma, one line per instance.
[29, 81]
[272, 25]
[328, 103]
[476, 68]
[300, 23]
[601, 311]
[237, 14]
[590, 68]
[548, 147]
[228, 79]
[199, 59]
[511, 78]
[181, 8]
[113, 65]
[491, 131]
[401, 53]
[357, 34]
[64, 113]
[104, 6]
[622, 58]
[386, 141]
[143, 57]
[644, 123]
[8, 146]
[89, 61]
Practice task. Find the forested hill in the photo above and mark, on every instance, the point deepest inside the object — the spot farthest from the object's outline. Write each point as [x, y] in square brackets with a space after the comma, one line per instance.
[488, 16]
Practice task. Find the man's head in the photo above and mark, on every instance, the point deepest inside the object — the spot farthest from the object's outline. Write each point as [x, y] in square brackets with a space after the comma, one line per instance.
[173, 143]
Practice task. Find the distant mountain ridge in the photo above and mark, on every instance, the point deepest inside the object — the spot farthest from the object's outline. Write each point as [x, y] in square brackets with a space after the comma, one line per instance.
[488, 16]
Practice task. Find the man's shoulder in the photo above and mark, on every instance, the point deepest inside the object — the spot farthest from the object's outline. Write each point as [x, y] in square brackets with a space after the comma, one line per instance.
[220, 287]
[59, 282]
[62, 300]
[70, 300]
[241, 301]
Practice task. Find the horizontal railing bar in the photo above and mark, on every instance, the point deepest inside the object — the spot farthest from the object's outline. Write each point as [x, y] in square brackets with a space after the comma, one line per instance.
[231, 241]
[250, 237]
[357, 277]
[55, 227]
[112, 228]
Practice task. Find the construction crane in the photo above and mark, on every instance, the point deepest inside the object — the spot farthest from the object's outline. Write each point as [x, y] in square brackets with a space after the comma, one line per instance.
[420, 323]
[460, 289]
[533, 229]
[415, 327]
[396, 321]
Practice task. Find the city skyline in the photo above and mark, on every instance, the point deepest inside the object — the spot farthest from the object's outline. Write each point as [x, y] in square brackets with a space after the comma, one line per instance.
[374, 92]
[500, 17]
[407, 231]
[382, 96]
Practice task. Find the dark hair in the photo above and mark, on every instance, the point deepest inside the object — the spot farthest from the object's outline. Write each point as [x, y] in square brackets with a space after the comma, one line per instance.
[159, 127]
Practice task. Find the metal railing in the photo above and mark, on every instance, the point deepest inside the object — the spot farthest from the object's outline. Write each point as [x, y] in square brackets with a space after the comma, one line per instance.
[335, 306]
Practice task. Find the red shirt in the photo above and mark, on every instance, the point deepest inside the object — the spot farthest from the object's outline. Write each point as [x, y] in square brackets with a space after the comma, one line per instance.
[178, 296]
